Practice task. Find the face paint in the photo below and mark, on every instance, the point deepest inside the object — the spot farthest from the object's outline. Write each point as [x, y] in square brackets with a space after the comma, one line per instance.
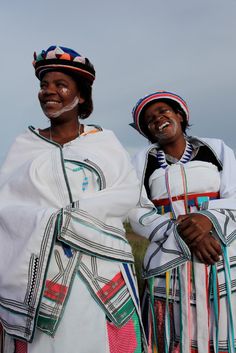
[170, 129]
[64, 90]
[58, 95]
[67, 108]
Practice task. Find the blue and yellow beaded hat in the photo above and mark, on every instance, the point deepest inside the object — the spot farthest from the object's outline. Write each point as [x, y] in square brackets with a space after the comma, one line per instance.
[63, 59]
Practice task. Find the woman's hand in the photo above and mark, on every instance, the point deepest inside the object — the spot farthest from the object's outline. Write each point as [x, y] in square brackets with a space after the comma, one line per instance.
[195, 230]
[208, 250]
[193, 227]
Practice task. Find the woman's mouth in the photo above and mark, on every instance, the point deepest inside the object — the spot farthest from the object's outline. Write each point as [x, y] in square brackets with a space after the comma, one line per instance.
[49, 104]
[163, 126]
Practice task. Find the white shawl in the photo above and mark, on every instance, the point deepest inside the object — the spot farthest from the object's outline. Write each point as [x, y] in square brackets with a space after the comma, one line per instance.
[37, 208]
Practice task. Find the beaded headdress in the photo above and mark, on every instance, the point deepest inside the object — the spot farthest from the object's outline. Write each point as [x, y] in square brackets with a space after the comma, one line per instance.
[153, 97]
[64, 59]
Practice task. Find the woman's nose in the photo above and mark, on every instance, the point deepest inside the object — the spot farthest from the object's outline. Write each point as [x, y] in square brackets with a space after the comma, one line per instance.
[47, 90]
[158, 117]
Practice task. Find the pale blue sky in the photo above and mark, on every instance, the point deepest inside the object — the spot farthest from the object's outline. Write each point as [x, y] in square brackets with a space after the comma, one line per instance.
[137, 47]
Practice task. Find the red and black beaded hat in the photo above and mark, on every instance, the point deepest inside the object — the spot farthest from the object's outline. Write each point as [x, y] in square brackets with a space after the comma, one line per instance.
[63, 59]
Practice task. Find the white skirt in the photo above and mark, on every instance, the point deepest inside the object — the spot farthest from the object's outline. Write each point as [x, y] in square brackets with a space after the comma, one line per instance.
[81, 330]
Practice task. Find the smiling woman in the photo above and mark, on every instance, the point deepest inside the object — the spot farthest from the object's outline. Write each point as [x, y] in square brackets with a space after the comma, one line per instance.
[65, 191]
[163, 122]
[59, 94]
[187, 210]
[65, 91]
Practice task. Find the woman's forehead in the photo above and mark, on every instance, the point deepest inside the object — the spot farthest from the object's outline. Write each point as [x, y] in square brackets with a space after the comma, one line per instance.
[56, 75]
[154, 106]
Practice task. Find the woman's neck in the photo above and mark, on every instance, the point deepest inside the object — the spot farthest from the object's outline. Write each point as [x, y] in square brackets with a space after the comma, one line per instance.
[62, 133]
[176, 148]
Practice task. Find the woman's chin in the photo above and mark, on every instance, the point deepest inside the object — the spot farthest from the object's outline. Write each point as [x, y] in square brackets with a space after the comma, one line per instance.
[51, 115]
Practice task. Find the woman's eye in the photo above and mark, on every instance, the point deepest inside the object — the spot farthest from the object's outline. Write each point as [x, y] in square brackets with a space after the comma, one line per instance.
[61, 85]
[151, 120]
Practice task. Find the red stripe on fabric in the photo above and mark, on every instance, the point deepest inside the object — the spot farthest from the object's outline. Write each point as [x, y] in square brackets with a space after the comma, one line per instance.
[21, 346]
[111, 288]
[166, 202]
[55, 291]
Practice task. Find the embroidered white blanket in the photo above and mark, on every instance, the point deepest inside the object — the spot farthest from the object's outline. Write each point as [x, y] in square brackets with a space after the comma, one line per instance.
[37, 208]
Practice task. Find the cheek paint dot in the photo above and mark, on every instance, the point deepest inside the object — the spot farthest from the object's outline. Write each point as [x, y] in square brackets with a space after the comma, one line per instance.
[65, 91]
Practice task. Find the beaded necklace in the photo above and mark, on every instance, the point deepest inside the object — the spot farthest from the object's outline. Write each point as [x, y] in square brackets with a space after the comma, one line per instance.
[161, 157]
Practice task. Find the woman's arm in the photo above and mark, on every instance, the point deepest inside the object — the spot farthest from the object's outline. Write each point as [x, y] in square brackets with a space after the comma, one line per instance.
[94, 223]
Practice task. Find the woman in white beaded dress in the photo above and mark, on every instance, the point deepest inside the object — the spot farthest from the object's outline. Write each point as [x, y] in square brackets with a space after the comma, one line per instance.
[66, 268]
[187, 209]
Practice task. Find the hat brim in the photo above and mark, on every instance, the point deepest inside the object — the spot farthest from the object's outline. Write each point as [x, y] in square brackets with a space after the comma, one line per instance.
[41, 67]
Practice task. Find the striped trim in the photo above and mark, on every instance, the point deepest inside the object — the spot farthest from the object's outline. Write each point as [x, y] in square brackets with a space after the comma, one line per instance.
[131, 282]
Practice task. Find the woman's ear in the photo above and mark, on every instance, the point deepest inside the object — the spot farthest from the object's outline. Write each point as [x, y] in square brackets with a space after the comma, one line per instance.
[181, 119]
[81, 99]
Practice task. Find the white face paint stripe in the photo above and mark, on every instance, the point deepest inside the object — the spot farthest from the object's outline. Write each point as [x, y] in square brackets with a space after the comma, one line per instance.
[67, 108]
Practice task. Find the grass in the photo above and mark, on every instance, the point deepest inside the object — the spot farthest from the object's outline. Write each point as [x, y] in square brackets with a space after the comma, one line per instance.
[139, 246]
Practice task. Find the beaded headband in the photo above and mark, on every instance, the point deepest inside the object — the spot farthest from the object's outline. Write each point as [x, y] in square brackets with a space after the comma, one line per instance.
[153, 97]
[64, 59]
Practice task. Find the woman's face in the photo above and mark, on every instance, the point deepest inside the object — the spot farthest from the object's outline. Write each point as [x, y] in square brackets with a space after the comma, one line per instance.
[163, 123]
[59, 95]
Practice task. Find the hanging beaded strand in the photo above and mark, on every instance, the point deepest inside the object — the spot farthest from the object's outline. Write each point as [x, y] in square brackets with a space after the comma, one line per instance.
[85, 181]
[163, 164]
[161, 158]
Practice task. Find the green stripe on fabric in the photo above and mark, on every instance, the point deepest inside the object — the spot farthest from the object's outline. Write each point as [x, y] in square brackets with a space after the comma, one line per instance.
[136, 323]
[46, 323]
[124, 311]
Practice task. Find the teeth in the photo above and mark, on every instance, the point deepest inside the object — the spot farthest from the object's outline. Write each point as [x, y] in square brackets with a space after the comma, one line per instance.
[51, 102]
[163, 126]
